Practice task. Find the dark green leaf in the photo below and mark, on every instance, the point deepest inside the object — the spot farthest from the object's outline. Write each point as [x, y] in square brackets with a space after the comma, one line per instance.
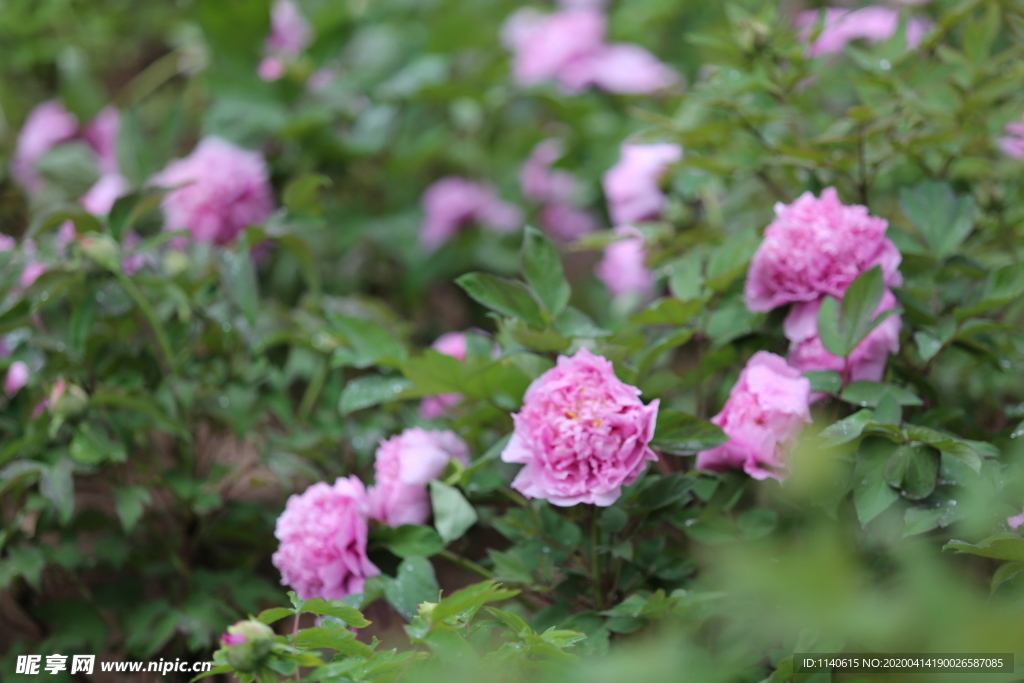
[543, 270]
[301, 193]
[410, 540]
[943, 218]
[414, 584]
[504, 296]
[681, 434]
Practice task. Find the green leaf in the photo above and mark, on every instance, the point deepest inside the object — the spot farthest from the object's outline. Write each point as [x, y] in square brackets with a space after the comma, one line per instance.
[943, 218]
[869, 394]
[410, 540]
[334, 608]
[131, 208]
[414, 584]
[57, 486]
[504, 296]
[914, 470]
[543, 270]
[847, 429]
[238, 276]
[668, 311]
[729, 261]
[927, 344]
[338, 639]
[84, 221]
[681, 434]
[453, 515]
[686, 280]
[575, 323]
[872, 495]
[470, 599]
[274, 614]
[371, 390]
[825, 381]
[842, 326]
[91, 447]
[1002, 546]
[130, 503]
[368, 343]
[947, 444]
[300, 194]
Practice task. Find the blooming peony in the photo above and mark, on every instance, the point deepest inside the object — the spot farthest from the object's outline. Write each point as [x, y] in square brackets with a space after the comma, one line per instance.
[404, 465]
[620, 68]
[840, 26]
[220, 189]
[322, 534]
[451, 203]
[632, 186]
[582, 434]
[47, 126]
[765, 413]
[17, 377]
[290, 34]
[623, 269]
[815, 247]
[1013, 144]
[866, 362]
[566, 223]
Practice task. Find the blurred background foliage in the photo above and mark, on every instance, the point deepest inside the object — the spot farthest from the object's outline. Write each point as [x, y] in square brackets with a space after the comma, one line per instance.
[139, 523]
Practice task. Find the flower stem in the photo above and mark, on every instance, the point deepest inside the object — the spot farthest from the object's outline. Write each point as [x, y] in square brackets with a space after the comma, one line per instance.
[468, 565]
[595, 560]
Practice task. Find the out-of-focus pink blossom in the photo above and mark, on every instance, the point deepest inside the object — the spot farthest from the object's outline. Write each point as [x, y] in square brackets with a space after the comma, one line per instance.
[1013, 143]
[866, 361]
[31, 273]
[221, 189]
[569, 47]
[290, 34]
[840, 26]
[582, 434]
[621, 68]
[763, 416]
[17, 377]
[134, 261]
[540, 181]
[633, 185]
[101, 135]
[816, 247]
[7, 243]
[453, 202]
[100, 198]
[450, 344]
[404, 465]
[1016, 521]
[566, 222]
[623, 269]
[47, 126]
[322, 535]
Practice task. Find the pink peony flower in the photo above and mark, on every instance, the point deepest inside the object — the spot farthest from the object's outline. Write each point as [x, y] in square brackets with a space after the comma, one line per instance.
[31, 273]
[764, 415]
[322, 534]
[632, 186]
[7, 243]
[840, 26]
[50, 125]
[452, 202]
[866, 362]
[540, 182]
[47, 126]
[1013, 144]
[290, 34]
[451, 344]
[100, 198]
[623, 269]
[619, 68]
[220, 190]
[1016, 521]
[544, 48]
[17, 377]
[815, 247]
[566, 223]
[404, 465]
[582, 434]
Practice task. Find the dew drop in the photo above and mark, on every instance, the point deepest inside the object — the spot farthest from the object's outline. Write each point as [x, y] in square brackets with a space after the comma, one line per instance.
[885, 65]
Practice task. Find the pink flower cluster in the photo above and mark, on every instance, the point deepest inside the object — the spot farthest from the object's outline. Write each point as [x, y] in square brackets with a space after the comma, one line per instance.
[322, 534]
[840, 26]
[50, 125]
[569, 47]
[1013, 143]
[633, 189]
[404, 465]
[290, 34]
[582, 434]
[555, 190]
[216, 191]
[816, 248]
[765, 413]
[453, 202]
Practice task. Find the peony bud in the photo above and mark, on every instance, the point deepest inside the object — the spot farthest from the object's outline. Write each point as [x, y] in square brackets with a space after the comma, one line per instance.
[102, 249]
[176, 263]
[67, 400]
[247, 643]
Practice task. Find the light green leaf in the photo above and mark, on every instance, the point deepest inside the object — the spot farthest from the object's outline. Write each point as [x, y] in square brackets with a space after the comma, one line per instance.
[543, 270]
[453, 515]
[372, 390]
[943, 218]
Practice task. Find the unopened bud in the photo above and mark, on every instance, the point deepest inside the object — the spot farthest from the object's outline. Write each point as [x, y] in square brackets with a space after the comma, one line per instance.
[246, 644]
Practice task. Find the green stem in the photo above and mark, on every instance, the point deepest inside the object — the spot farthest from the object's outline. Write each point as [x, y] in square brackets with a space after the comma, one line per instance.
[316, 385]
[147, 310]
[468, 565]
[595, 559]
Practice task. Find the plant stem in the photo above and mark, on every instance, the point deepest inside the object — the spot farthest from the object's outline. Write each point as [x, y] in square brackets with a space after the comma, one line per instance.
[468, 565]
[596, 563]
